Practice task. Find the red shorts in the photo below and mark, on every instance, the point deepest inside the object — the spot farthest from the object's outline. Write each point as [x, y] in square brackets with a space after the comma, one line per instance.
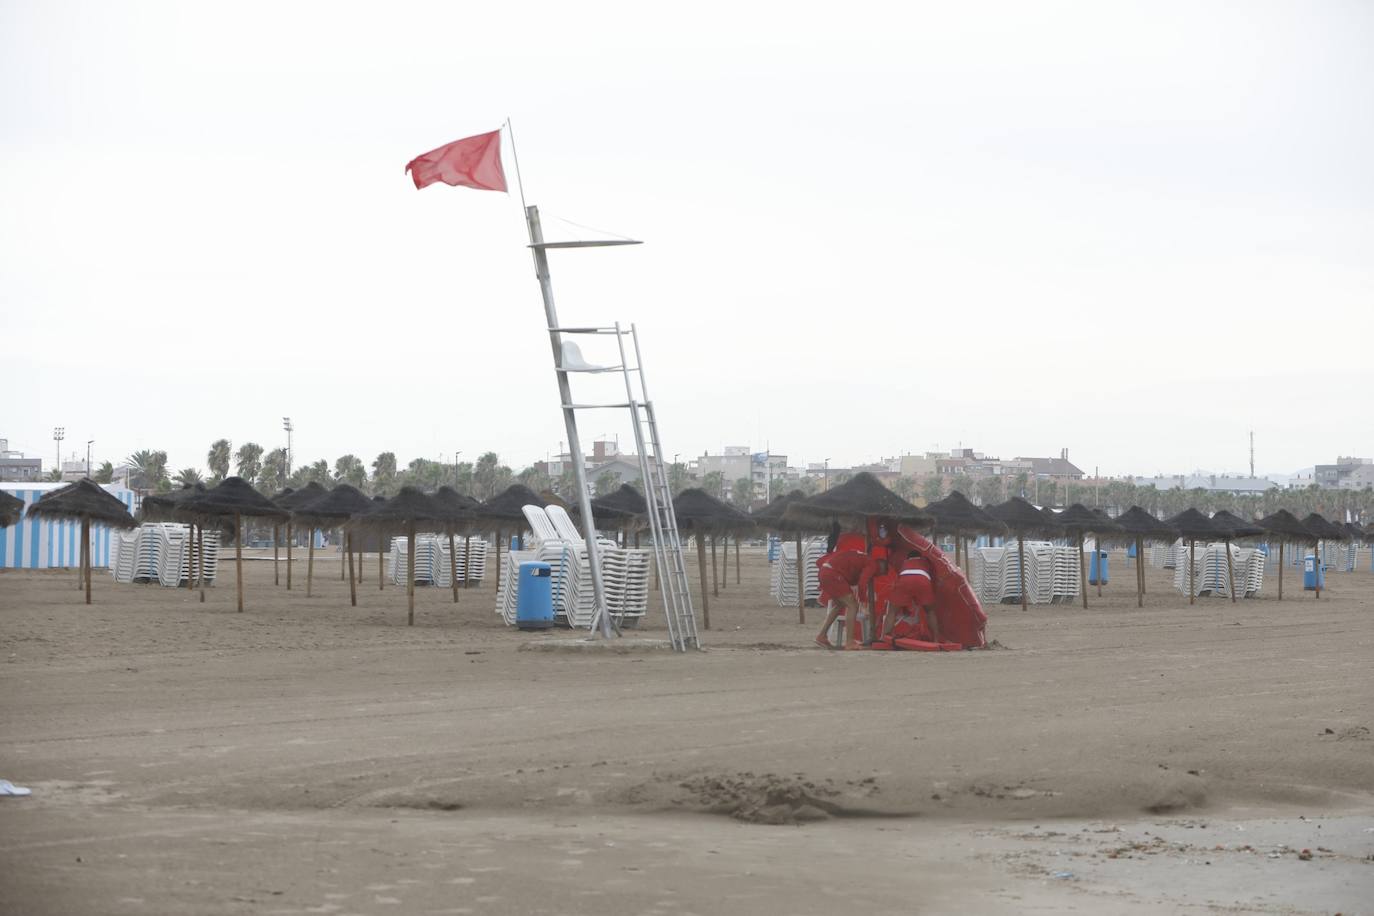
[912, 590]
[833, 586]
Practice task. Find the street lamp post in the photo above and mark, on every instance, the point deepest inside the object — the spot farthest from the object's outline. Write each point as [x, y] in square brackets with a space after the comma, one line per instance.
[89, 443]
[455, 468]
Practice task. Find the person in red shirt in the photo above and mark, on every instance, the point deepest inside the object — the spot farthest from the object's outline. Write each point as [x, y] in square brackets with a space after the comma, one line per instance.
[840, 573]
[914, 591]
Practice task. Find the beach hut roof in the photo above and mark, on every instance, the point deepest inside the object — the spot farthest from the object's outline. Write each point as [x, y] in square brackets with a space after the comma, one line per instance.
[1285, 526]
[1235, 526]
[1193, 525]
[507, 505]
[697, 509]
[299, 499]
[1324, 529]
[860, 497]
[1136, 522]
[1022, 518]
[11, 508]
[1079, 518]
[334, 508]
[957, 515]
[83, 499]
[233, 496]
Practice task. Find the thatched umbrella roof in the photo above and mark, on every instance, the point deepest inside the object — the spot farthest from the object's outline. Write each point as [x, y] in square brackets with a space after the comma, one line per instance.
[409, 505]
[281, 494]
[233, 496]
[700, 511]
[1022, 518]
[170, 507]
[1355, 531]
[773, 517]
[299, 499]
[11, 508]
[1235, 526]
[460, 510]
[83, 499]
[956, 515]
[861, 497]
[1078, 518]
[551, 498]
[1136, 522]
[625, 501]
[335, 508]
[1314, 523]
[507, 505]
[1285, 526]
[1192, 525]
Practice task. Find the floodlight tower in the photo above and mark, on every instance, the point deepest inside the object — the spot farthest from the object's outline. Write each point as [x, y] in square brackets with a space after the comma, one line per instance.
[89, 443]
[58, 434]
[286, 425]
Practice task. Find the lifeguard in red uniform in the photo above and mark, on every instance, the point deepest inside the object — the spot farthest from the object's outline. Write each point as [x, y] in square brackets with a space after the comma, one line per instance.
[913, 591]
[841, 573]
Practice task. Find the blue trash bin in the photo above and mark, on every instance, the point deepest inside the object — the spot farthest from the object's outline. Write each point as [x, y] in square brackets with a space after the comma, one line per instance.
[1313, 577]
[1097, 566]
[534, 597]
[1130, 550]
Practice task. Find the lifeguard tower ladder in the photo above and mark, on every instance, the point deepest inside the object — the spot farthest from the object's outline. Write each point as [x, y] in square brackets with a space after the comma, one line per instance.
[567, 359]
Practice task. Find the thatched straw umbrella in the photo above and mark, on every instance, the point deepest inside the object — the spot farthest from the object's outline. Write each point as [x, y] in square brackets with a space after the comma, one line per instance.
[505, 508]
[233, 499]
[772, 518]
[956, 515]
[1192, 524]
[1023, 520]
[706, 516]
[1283, 526]
[625, 506]
[276, 536]
[1077, 520]
[299, 499]
[406, 509]
[460, 512]
[172, 507]
[551, 498]
[1325, 531]
[1233, 526]
[1140, 525]
[334, 510]
[11, 508]
[86, 501]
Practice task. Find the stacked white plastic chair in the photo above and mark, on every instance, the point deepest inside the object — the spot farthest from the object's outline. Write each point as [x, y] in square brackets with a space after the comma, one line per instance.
[1065, 573]
[783, 581]
[161, 553]
[173, 553]
[985, 569]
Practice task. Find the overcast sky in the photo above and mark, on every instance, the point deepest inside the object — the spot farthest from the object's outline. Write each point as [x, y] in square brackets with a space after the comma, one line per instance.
[1134, 230]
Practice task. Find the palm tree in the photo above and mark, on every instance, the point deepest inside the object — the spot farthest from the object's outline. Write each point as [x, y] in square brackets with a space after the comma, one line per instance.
[105, 473]
[678, 478]
[933, 488]
[714, 484]
[742, 493]
[606, 482]
[217, 460]
[349, 469]
[150, 468]
[484, 475]
[384, 472]
[248, 460]
[55, 475]
[273, 470]
[188, 477]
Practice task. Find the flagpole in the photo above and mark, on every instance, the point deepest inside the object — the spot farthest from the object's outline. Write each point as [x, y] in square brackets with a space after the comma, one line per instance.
[515, 154]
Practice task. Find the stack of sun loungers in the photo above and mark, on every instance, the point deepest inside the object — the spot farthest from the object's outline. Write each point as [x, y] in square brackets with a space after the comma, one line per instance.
[1051, 572]
[161, 553]
[783, 584]
[1210, 576]
[433, 563]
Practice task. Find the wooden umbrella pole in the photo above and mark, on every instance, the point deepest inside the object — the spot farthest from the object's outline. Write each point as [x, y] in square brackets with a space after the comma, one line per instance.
[725, 562]
[1139, 572]
[1021, 556]
[1317, 568]
[1082, 575]
[310, 565]
[1101, 562]
[238, 558]
[276, 554]
[498, 558]
[1230, 573]
[1192, 570]
[715, 581]
[410, 574]
[289, 539]
[801, 579]
[191, 568]
[202, 563]
[467, 560]
[352, 583]
[737, 559]
[1280, 570]
[343, 545]
[86, 554]
[453, 566]
[701, 568]
[381, 570]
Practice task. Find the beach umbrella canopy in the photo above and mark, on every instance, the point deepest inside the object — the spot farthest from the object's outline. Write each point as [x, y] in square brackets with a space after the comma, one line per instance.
[861, 497]
[281, 494]
[550, 498]
[1355, 531]
[1192, 525]
[1138, 523]
[956, 515]
[406, 510]
[625, 501]
[699, 510]
[334, 508]
[1314, 523]
[508, 505]
[1022, 518]
[11, 508]
[1285, 526]
[299, 499]
[1235, 526]
[169, 507]
[773, 516]
[233, 496]
[83, 500]
[1079, 519]
[460, 510]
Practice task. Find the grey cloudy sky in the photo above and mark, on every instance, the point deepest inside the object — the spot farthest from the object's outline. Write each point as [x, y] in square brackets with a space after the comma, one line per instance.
[1135, 230]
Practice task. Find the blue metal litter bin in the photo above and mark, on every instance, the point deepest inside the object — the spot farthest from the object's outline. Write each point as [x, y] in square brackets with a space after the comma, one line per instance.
[1097, 566]
[1130, 550]
[534, 597]
[1312, 575]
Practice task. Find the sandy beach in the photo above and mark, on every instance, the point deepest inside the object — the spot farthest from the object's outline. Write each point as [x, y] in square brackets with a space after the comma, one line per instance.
[308, 757]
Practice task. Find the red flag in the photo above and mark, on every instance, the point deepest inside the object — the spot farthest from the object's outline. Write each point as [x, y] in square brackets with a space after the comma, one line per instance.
[473, 162]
